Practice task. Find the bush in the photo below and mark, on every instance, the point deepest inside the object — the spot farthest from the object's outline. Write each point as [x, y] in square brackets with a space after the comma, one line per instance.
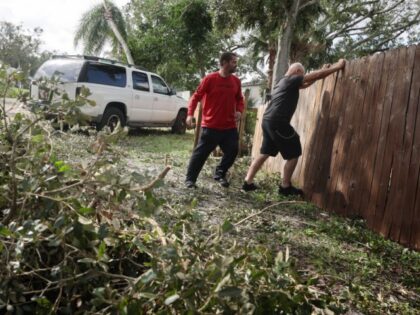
[84, 237]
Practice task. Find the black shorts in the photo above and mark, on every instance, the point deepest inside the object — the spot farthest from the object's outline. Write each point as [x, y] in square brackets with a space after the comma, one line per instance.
[280, 137]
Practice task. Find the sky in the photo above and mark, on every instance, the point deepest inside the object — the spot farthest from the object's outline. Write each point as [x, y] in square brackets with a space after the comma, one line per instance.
[57, 18]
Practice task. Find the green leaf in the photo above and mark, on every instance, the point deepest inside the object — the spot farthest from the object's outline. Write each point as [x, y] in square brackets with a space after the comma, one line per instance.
[5, 231]
[58, 164]
[64, 168]
[194, 203]
[227, 226]
[171, 299]
[101, 250]
[43, 302]
[147, 276]
[37, 138]
[85, 210]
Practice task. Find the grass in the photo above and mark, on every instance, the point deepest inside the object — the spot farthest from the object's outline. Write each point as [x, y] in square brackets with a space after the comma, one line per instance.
[367, 273]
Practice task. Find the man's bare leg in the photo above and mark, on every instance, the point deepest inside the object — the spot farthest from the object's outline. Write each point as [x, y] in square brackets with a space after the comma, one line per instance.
[288, 170]
[255, 167]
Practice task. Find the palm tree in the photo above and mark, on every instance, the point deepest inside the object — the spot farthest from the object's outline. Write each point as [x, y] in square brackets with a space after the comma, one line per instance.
[101, 23]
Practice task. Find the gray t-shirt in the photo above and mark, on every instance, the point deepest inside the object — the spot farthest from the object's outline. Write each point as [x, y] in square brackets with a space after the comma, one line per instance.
[284, 99]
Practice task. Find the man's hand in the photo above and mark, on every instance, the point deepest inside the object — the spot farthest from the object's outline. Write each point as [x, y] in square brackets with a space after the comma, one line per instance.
[326, 66]
[189, 121]
[238, 116]
[341, 63]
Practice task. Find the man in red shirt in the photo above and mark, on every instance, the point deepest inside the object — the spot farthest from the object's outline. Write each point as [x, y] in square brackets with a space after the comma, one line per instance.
[221, 97]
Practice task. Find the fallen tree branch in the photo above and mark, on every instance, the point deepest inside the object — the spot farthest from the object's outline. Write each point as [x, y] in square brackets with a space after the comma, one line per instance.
[265, 209]
[255, 214]
[156, 180]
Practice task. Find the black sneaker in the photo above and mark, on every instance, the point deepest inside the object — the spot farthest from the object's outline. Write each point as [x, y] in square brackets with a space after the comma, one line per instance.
[190, 184]
[290, 191]
[222, 181]
[249, 187]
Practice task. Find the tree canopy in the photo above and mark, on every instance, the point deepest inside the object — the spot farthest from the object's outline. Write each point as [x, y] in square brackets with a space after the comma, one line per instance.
[20, 48]
[181, 39]
[174, 38]
[318, 31]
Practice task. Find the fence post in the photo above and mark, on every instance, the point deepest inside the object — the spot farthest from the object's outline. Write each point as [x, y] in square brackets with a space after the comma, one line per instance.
[241, 125]
[197, 131]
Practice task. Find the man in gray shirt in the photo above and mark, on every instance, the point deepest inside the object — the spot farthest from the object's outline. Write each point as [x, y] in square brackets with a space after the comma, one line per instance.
[278, 134]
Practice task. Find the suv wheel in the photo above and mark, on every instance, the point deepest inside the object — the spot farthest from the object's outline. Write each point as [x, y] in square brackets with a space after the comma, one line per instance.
[112, 117]
[179, 125]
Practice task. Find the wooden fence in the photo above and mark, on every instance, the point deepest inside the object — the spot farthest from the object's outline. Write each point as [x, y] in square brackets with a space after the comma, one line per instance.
[360, 133]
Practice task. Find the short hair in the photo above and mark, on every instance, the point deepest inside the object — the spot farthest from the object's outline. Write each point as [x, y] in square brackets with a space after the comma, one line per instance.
[227, 57]
[296, 65]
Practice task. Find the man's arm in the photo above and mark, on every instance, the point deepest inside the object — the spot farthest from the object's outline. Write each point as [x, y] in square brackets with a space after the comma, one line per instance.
[310, 78]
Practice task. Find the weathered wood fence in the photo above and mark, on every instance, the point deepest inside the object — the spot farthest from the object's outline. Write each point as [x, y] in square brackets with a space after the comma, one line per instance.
[360, 133]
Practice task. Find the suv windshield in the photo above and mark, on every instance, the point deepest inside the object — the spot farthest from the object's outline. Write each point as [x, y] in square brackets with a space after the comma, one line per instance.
[67, 70]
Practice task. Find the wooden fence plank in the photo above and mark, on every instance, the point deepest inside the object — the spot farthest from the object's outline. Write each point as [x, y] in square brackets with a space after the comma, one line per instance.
[395, 131]
[320, 150]
[381, 170]
[336, 199]
[415, 225]
[310, 132]
[370, 133]
[403, 147]
[381, 115]
[356, 175]
[257, 141]
[336, 119]
[412, 182]
[356, 141]
[303, 124]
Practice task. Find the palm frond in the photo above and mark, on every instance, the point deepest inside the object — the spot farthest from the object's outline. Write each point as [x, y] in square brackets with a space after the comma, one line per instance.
[93, 30]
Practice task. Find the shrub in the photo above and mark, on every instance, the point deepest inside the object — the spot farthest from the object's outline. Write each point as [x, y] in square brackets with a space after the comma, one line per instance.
[84, 237]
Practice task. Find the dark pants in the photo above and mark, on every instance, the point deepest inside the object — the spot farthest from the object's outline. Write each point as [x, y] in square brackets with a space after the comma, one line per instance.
[209, 140]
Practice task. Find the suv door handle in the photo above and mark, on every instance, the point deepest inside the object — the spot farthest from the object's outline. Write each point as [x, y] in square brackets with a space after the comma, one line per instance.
[155, 98]
[137, 97]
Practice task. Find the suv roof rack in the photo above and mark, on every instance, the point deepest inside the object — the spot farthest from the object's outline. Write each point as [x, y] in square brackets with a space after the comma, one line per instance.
[99, 59]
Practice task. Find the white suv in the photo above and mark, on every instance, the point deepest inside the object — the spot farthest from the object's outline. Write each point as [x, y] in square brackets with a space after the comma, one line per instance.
[123, 93]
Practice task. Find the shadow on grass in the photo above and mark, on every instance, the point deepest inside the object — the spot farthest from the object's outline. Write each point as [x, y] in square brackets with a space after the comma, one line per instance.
[150, 131]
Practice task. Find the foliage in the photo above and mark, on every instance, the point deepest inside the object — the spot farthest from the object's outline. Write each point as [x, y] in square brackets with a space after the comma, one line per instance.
[94, 29]
[19, 48]
[364, 272]
[358, 28]
[91, 234]
[82, 235]
[322, 31]
[175, 39]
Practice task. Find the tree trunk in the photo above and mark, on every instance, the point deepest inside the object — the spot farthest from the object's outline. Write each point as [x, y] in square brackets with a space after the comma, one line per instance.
[284, 43]
[271, 62]
[114, 28]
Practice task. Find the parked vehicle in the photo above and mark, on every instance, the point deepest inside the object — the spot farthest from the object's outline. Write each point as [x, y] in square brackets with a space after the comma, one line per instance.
[124, 94]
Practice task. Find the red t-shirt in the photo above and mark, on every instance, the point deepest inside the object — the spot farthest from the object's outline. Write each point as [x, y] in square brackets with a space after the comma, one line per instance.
[221, 98]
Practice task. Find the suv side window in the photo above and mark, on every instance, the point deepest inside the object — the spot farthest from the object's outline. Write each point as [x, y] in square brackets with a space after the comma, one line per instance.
[140, 81]
[106, 74]
[159, 86]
